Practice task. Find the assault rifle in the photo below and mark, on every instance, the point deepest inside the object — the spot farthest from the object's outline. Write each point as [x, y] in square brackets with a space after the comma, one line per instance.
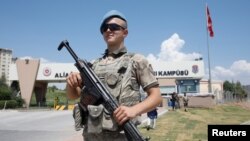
[98, 92]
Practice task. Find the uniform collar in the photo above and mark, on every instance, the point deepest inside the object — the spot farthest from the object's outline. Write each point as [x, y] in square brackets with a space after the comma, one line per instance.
[116, 53]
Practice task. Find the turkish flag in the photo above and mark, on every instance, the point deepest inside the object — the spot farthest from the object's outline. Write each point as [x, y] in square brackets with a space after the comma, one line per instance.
[209, 23]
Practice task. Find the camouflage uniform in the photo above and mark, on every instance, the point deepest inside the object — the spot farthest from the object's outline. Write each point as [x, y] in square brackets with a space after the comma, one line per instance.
[122, 74]
[185, 101]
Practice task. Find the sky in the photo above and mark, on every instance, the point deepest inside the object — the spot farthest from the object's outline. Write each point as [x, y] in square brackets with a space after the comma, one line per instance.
[166, 30]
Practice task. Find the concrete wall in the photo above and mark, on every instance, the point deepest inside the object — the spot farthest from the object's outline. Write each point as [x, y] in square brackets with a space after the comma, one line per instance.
[201, 101]
[207, 101]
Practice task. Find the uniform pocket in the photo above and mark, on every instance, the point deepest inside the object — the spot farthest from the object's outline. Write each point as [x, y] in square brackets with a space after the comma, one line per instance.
[108, 122]
[134, 84]
[77, 115]
[111, 79]
[94, 124]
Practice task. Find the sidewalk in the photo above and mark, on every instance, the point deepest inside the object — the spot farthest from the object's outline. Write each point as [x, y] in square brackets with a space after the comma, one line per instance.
[78, 135]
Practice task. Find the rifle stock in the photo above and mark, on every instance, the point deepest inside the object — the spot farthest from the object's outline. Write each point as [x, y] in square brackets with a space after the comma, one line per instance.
[100, 93]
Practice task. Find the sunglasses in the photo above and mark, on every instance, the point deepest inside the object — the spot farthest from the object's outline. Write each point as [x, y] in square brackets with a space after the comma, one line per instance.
[111, 27]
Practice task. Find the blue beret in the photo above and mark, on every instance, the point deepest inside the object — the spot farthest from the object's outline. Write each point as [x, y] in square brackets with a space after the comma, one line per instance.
[112, 14]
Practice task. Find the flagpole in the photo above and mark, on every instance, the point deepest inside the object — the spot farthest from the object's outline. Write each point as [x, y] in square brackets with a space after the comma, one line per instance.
[209, 69]
[208, 53]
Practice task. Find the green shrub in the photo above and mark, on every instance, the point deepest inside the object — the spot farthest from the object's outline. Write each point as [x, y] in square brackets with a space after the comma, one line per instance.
[19, 101]
[5, 94]
[10, 104]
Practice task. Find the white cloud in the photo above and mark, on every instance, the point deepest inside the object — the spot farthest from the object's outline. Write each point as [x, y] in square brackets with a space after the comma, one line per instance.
[26, 57]
[238, 71]
[241, 66]
[171, 51]
[42, 60]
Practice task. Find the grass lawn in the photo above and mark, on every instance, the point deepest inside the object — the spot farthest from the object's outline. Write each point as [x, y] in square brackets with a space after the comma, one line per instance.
[192, 125]
[50, 97]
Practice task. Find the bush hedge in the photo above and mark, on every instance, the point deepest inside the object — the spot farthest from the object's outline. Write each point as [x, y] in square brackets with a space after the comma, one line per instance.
[5, 95]
[10, 104]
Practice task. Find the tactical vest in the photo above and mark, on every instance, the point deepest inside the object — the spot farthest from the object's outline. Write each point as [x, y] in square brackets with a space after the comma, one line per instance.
[116, 77]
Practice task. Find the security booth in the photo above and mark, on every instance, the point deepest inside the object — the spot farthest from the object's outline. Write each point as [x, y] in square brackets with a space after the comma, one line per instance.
[188, 85]
[179, 77]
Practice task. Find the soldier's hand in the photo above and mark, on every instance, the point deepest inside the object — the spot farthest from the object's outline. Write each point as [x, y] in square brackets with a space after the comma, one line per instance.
[124, 113]
[74, 80]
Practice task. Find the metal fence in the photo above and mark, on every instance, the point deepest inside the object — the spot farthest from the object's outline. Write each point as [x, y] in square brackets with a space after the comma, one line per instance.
[228, 96]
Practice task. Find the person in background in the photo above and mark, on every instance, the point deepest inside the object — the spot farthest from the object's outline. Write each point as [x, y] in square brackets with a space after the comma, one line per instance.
[152, 116]
[185, 101]
[177, 101]
[122, 73]
[173, 100]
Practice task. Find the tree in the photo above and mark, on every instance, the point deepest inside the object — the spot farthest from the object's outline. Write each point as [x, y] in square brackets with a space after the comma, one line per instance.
[52, 88]
[15, 88]
[3, 83]
[239, 91]
[227, 86]
[5, 93]
[236, 90]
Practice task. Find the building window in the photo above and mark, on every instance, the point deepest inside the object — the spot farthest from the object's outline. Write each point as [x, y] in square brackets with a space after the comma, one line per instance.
[188, 89]
[188, 86]
[167, 89]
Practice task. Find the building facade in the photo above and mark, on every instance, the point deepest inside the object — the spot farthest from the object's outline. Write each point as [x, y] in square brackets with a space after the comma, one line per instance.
[5, 61]
[180, 77]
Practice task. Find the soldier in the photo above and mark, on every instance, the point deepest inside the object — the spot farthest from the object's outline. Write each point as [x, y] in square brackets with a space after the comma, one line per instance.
[122, 73]
[185, 101]
[173, 100]
[178, 105]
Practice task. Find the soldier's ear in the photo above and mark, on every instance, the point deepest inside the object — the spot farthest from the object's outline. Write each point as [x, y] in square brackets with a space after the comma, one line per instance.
[125, 33]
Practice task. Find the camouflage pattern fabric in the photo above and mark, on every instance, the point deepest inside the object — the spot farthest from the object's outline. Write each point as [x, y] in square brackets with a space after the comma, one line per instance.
[77, 118]
[122, 74]
[105, 136]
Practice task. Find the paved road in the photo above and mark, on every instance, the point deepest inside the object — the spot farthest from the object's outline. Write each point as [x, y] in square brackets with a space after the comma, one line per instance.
[46, 125]
[41, 125]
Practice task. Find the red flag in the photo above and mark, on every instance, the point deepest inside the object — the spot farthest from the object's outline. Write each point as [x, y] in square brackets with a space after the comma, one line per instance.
[209, 23]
